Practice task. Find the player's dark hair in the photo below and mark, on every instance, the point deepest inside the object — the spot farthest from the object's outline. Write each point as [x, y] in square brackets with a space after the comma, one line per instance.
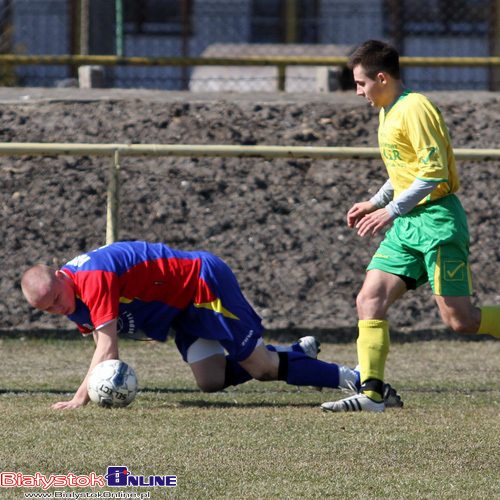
[375, 56]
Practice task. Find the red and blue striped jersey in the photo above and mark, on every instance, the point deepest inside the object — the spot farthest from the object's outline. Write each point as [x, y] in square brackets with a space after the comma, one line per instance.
[145, 286]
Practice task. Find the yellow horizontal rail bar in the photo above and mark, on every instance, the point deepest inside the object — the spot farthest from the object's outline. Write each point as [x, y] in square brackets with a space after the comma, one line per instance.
[80, 60]
[449, 61]
[197, 150]
[169, 61]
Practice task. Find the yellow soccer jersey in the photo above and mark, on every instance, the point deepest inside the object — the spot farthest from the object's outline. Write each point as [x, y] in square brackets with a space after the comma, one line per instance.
[415, 144]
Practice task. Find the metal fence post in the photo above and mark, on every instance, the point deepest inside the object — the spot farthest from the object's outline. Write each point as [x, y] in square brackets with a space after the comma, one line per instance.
[281, 77]
[113, 216]
[119, 27]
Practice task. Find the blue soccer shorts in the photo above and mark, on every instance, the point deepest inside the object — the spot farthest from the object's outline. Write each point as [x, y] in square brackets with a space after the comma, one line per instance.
[227, 317]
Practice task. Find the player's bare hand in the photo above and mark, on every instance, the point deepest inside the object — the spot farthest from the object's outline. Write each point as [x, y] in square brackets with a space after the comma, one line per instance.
[358, 211]
[65, 405]
[372, 223]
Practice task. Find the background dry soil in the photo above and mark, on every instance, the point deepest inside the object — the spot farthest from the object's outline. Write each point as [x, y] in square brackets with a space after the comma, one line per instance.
[280, 224]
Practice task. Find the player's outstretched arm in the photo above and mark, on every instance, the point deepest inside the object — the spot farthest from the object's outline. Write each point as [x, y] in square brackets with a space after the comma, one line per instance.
[106, 339]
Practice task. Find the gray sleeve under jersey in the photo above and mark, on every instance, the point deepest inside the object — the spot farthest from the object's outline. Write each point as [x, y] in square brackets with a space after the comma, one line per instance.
[407, 200]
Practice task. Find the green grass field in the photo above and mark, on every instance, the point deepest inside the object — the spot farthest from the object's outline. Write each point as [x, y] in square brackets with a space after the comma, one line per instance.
[262, 440]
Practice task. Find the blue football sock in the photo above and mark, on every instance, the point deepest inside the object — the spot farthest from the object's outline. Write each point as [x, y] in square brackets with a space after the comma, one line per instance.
[297, 368]
[285, 348]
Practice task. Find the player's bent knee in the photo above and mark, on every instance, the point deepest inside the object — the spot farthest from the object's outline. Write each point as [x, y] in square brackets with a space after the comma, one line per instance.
[368, 307]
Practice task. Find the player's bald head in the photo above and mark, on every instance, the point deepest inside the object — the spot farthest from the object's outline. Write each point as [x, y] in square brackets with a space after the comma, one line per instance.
[37, 282]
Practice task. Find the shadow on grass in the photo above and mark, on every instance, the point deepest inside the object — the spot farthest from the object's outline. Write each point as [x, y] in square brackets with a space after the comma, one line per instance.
[236, 393]
[228, 404]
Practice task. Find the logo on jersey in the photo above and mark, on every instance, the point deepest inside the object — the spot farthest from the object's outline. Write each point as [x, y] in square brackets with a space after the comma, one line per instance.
[126, 323]
[79, 261]
[429, 154]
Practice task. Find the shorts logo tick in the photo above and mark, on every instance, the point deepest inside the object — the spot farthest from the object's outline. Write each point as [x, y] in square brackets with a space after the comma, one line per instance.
[120, 476]
[454, 271]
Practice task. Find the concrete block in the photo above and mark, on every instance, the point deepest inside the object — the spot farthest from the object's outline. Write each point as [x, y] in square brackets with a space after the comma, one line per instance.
[91, 77]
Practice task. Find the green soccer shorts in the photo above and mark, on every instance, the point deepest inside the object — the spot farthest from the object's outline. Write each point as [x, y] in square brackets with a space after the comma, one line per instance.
[430, 243]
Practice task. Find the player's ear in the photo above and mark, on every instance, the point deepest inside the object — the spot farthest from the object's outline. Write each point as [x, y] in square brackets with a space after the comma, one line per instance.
[381, 77]
[60, 275]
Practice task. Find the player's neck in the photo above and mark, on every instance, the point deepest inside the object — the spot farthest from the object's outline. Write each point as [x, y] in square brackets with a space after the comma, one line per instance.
[396, 93]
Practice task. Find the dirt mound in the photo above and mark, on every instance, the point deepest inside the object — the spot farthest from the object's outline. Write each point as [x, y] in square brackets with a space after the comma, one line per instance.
[280, 224]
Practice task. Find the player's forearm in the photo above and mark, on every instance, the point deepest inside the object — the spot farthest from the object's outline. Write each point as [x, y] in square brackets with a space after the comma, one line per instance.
[384, 195]
[410, 198]
[106, 339]
[101, 353]
[106, 348]
[81, 396]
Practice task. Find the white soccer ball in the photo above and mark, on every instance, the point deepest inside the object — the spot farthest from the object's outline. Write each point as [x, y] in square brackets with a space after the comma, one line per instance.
[112, 383]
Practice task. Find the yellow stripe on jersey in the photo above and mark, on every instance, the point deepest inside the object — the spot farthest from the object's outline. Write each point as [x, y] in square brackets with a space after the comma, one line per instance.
[437, 274]
[216, 305]
[469, 276]
[415, 144]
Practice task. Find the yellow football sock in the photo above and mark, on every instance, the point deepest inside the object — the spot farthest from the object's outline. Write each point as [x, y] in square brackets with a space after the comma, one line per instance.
[373, 347]
[490, 321]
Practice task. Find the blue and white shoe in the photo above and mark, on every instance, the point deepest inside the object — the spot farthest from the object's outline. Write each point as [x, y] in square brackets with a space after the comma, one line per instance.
[308, 345]
[349, 379]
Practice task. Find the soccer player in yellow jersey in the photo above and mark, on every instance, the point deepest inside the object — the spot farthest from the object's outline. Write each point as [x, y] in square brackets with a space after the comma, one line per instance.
[429, 237]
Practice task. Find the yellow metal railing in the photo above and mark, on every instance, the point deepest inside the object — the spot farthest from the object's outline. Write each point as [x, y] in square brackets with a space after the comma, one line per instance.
[80, 60]
[279, 62]
[117, 151]
[197, 150]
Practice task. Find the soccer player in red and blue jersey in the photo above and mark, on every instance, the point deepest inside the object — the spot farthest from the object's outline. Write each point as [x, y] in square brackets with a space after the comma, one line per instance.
[145, 288]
